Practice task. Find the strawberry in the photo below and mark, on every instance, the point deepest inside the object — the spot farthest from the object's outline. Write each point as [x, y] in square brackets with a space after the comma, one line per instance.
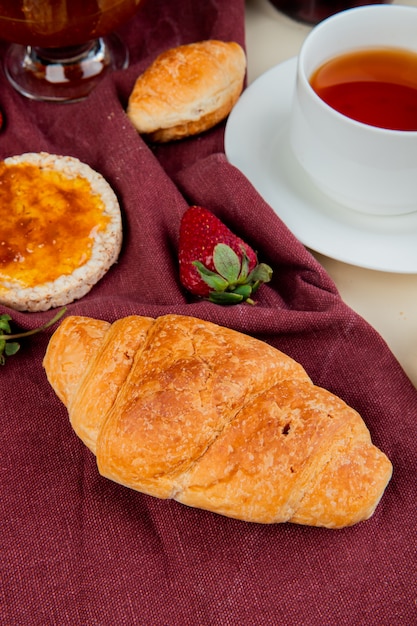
[215, 263]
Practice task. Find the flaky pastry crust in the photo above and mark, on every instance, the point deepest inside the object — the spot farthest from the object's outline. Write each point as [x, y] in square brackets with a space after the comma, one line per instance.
[187, 90]
[177, 407]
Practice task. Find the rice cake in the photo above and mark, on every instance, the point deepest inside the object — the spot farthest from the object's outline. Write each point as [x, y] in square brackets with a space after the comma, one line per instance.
[61, 230]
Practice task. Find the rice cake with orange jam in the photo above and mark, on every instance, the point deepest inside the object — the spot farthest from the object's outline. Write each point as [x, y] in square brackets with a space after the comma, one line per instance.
[61, 230]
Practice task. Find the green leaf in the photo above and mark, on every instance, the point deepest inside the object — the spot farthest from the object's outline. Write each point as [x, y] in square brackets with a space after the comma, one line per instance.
[226, 297]
[243, 290]
[4, 323]
[11, 348]
[261, 273]
[244, 270]
[2, 349]
[216, 282]
[213, 280]
[203, 270]
[7, 347]
[226, 262]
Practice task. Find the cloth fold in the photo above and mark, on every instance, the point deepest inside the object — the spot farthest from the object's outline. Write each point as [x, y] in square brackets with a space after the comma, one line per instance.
[78, 549]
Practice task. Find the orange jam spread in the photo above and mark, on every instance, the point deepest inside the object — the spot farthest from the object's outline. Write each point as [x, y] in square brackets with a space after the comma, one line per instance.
[47, 223]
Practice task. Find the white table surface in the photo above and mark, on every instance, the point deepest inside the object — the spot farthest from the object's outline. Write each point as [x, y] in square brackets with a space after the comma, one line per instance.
[387, 301]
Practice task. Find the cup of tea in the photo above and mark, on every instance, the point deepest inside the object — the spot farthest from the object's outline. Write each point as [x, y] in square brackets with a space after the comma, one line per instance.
[353, 126]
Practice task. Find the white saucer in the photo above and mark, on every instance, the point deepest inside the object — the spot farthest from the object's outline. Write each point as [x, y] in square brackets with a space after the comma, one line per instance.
[256, 142]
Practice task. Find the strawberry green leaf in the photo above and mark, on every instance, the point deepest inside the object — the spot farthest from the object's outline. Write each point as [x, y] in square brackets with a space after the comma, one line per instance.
[262, 273]
[244, 270]
[243, 290]
[213, 280]
[239, 294]
[225, 297]
[226, 262]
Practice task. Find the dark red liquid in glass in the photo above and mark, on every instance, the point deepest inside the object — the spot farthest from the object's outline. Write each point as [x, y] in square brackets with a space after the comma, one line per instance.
[61, 23]
[313, 11]
[374, 86]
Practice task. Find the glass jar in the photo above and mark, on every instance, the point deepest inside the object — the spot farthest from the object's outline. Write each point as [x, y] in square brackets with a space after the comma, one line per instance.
[314, 11]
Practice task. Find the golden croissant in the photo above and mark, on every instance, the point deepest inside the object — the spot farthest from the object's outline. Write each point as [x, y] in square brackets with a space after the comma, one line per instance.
[177, 407]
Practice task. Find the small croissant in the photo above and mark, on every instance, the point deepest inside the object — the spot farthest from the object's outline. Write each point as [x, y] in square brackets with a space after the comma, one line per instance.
[177, 407]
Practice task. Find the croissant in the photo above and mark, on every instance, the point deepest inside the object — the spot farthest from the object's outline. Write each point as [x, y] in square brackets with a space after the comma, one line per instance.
[177, 407]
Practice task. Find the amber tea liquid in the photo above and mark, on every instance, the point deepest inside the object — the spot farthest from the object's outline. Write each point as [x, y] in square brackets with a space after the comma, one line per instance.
[374, 86]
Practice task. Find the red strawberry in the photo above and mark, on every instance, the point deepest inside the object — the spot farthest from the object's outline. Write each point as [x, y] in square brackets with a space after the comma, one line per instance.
[215, 263]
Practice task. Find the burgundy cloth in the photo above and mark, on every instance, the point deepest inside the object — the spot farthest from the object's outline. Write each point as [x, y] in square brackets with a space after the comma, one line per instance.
[79, 549]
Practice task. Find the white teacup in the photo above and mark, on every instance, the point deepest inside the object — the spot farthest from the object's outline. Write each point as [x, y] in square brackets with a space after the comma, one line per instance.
[366, 168]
